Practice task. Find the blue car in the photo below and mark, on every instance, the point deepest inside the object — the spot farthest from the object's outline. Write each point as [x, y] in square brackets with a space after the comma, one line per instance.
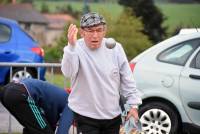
[16, 46]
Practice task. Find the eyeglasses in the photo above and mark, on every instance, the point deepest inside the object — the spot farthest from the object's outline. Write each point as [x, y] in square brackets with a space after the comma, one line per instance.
[92, 31]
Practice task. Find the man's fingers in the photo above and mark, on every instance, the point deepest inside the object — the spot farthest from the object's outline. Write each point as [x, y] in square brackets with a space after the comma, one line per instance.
[75, 33]
[71, 30]
[133, 112]
[128, 116]
[72, 34]
[70, 27]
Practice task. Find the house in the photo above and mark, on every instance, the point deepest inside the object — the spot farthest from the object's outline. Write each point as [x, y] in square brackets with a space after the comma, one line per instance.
[30, 20]
[56, 26]
[45, 28]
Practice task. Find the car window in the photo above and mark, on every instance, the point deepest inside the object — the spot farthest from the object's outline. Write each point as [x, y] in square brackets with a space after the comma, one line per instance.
[179, 53]
[196, 61]
[5, 33]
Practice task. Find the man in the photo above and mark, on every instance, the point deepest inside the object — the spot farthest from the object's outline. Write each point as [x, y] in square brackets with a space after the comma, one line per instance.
[37, 105]
[98, 76]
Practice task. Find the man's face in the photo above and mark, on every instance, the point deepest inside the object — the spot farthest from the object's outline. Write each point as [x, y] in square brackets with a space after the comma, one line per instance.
[93, 36]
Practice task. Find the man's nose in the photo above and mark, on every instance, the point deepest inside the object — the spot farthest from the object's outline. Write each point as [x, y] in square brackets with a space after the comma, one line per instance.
[95, 33]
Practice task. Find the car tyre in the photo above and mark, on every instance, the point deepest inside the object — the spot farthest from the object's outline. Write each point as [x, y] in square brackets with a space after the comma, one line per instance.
[158, 118]
[20, 73]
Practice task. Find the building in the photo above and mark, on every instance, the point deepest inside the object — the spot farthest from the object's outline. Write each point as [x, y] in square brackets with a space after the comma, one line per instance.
[56, 26]
[30, 20]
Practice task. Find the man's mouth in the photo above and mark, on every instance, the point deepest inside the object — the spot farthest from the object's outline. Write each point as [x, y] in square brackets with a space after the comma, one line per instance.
[95, 41]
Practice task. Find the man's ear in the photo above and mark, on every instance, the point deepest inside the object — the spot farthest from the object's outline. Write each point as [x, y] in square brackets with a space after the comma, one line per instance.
[81, 32]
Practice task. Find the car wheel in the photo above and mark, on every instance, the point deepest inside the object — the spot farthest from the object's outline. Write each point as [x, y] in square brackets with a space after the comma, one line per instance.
[158, 118]
[20, 73]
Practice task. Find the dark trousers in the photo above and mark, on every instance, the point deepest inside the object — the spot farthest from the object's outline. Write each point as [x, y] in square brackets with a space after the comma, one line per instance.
[86, 125]
[17, 101]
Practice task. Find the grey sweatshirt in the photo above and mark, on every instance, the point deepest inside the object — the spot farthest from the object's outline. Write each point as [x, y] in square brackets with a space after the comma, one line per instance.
[97, 79]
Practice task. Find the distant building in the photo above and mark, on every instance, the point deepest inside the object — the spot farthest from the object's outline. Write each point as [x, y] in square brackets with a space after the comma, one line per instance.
[45, 28]
[56, 26]
[30, 20]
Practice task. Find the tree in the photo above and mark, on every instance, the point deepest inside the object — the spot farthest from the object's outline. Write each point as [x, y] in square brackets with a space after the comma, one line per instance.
[86, 7]
[67, 9]
[128, 31]
[5, 1]
[44, 8]
[26, 1]
[150, 15]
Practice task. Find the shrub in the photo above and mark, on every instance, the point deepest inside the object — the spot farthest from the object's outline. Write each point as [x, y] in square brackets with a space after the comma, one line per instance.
[128, 31]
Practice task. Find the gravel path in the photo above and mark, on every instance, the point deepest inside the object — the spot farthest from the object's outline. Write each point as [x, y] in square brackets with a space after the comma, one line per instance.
[4, 121]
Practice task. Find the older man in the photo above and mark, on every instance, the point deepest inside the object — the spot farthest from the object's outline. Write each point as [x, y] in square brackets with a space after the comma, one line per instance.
[98, 76]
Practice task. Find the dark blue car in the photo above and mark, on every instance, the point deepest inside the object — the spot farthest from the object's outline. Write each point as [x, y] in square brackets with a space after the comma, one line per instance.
[18, 47]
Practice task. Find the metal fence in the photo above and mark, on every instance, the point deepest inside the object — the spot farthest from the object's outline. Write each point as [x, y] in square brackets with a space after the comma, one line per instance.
[50, 68]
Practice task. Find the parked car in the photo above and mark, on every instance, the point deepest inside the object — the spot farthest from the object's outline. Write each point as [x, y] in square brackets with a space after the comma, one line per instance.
[18, 47]
[168, 76]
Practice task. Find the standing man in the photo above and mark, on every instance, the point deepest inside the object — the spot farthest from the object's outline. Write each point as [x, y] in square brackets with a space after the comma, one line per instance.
[38, 106]
[98, 76]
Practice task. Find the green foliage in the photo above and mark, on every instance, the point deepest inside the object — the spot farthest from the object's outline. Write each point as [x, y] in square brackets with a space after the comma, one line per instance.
[150, 15]
[128, 31]
[57, 79]
[69, 10]
[44, 8]
[54, 54]
[184, 1]
[86, 9]
[5, 1]
[112, 8]
[26, 1]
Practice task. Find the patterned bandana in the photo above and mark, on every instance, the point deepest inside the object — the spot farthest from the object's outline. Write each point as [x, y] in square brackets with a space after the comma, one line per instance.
[91, 19]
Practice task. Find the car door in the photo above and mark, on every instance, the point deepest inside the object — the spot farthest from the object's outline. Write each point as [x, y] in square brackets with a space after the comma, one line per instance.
[7, 43]
[7, 47]
[190, 87]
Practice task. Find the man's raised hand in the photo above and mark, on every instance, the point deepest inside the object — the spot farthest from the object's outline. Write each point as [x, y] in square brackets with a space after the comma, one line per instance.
[72, 34]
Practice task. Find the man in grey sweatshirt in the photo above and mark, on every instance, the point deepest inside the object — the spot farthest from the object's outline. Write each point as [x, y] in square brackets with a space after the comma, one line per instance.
[98, 76]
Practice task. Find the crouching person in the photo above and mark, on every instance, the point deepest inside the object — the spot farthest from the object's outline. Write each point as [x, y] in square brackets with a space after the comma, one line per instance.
[38, 105]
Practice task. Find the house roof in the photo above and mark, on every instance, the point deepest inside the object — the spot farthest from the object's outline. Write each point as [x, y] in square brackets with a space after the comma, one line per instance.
[58, 21]
[22, 13]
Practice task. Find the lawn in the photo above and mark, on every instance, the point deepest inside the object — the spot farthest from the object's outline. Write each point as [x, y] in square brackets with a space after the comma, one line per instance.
[110, 8]
[181, 15]
[176, 14]
[58, 79]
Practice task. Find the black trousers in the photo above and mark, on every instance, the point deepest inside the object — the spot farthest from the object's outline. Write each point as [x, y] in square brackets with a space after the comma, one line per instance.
[86, 125]
[17, 101]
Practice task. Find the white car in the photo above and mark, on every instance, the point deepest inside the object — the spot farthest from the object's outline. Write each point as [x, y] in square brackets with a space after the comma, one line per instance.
[168, 76]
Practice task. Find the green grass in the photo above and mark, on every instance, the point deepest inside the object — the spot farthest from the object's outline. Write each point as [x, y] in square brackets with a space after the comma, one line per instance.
[181, 15]
[57, 79]
[176, 14]
[111, 8]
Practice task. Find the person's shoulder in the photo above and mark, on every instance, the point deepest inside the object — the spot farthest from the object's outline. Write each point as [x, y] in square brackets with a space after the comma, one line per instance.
[118, 46]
